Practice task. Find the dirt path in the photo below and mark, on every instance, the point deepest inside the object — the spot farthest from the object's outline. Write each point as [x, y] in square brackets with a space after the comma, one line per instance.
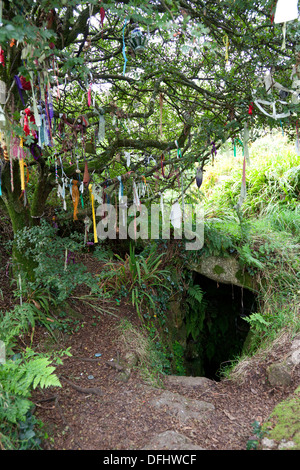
[122, 416]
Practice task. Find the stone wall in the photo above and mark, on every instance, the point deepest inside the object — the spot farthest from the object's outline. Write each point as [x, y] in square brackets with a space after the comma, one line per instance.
[226, 270]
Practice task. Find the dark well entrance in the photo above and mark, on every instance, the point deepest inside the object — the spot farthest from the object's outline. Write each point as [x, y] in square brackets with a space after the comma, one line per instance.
[224, 329]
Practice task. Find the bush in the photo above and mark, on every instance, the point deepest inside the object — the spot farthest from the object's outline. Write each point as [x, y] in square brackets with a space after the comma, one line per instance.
[55, 268]
[19, 375]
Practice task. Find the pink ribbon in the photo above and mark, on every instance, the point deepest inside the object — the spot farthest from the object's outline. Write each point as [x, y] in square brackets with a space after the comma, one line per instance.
[89, 95]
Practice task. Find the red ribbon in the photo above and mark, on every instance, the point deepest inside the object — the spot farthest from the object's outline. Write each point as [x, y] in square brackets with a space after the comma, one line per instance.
[28, 116]
[89, 95]
[26, 85]
[2, 60]
[102, 15]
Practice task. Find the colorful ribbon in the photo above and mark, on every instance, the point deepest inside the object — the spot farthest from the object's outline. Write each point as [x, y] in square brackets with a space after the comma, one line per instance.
[22, 174]
[93, 212]
[226, 43]
[90, 95]
[124, 48]
[75, 198]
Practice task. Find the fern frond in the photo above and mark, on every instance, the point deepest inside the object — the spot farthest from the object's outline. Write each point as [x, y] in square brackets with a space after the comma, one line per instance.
[196, 293]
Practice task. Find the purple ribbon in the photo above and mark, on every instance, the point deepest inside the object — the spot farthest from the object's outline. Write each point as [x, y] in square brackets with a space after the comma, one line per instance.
[20, 88]
[72, 256]
[32, 150]
[49, 111]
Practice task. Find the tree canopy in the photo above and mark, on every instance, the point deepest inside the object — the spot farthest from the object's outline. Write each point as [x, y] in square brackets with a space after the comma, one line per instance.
[81, 101]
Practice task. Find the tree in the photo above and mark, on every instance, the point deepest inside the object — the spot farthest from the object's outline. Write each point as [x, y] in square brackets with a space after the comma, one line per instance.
[79, 97]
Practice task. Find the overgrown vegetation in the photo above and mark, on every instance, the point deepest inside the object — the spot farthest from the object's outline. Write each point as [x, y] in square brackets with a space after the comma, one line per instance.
[146, 345]
[264, 237]
[39, 300]
[138, 276]
[283, 423]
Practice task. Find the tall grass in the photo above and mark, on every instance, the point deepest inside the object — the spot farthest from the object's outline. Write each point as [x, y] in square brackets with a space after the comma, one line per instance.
[269, 247]
[272, 179]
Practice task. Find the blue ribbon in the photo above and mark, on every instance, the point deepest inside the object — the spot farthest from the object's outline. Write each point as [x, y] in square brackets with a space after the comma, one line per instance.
[124, 48]
[120, 187]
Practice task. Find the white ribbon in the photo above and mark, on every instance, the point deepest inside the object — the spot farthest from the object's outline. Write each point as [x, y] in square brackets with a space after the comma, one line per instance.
[141, 189]
[37, 117]
[61, 192]
[101, 129]
[243, 192]
[97, 192]
[2, 115]
[120, 188]
[286, 10]
[274, 114]
[297, 146]
[176, 215]
[284, 36]
[81, 187]
[128, 157]
[136, 199]
[270, 83]
[245, 143]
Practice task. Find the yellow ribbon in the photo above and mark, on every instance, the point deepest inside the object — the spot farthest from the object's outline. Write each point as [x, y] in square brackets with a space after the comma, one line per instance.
[226, 43]
[21, 164]
[93, 212]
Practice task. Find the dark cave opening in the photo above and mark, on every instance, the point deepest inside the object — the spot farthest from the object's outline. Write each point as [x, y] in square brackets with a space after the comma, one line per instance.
[224, 328]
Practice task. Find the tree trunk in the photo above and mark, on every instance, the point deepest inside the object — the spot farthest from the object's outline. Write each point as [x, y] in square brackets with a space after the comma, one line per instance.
[23, 214]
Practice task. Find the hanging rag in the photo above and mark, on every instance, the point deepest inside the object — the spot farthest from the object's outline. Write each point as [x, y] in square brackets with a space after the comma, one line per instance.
[176, 215]
[124, 48]
[93, 213]
[286, 10]
[199, 177]
[86, 175]
[245, 143]
[75, 198]
[243, 192]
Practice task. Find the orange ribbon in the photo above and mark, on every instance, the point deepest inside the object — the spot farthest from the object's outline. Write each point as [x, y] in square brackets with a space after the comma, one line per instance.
[75, 198]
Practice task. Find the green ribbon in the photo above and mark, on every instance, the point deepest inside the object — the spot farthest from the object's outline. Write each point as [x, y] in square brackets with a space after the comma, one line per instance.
[281, 127]
[179, 155]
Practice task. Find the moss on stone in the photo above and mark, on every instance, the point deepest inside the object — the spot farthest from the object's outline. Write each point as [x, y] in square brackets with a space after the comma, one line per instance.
[283, 423]
[226, 270]
[245, 279]
[218, 269]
